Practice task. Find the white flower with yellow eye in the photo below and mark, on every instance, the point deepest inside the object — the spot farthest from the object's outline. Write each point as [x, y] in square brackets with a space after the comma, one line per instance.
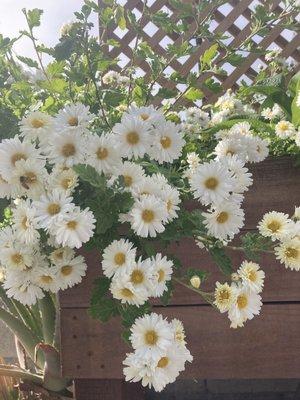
[102, 154]
[117, 257]
[29, 178]
[224, 296]
[285, 129]
[52, 207]
[70, 271]
[167, 143]
[171, 197]
[17, 257]
[211, 183]
[63, 179]
[61, 254]
[67, 147]
[36, 125]
[229, 147]
[241, 175]
[151, 336]
[257, 149]
[75, 228]
[252, 276]
[12, 151]
[73, 117]
[132, 137]
[245, 306]
[162, 270]
[147, 186]
[24, 223]
[47, 279]
[275, 225]
[148, 114]
[132, 174]
[288, 253]
[124, 290]
[148, 214]
[224, 221]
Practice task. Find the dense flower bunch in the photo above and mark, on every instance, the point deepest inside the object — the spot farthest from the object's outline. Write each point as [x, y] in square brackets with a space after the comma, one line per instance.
[42, 171]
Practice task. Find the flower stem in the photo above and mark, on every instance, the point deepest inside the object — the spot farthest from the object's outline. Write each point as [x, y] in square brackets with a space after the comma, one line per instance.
[208, 297]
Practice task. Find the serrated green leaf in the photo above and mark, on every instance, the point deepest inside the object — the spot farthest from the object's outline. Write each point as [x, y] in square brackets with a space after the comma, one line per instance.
[120, 17]
[194, 94]
[90, 175]
[34, 17]
[222, 260]
[209, 55]
[28, 61]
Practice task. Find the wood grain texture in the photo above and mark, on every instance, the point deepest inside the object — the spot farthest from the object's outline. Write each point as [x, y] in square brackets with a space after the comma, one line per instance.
[268, 347]
[276, 187]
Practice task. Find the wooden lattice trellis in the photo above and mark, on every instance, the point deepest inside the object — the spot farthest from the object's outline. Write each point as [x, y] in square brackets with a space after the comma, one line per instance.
[233, 19]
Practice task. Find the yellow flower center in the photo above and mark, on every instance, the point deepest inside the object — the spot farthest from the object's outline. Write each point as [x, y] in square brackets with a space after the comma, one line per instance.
[161, 275]
[119, 258]
[283, 126]
[252, 276]
[222, 217]
[17, 258]
[274, 226]
[66, 183]
[53, 208]
[166, 142]
[37, 123]
[291, 252]
[242, 301]
[127, 180]
[148, 216]
[68, 150]
[24, 223]
[132, 137]
[28, 178]
[72, 225]
[211, 183]
[169, 205]
[58, 254]
[127, 293]
[151, 337]
[17, 157]
[163, 362]
[46, 279]
[144, 116]
[66, 270]
[137, 277]
[102, 153]
[223, 295]
[73, 121]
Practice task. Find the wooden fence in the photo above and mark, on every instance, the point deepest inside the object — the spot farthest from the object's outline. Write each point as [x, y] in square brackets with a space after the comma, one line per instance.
[232, 19]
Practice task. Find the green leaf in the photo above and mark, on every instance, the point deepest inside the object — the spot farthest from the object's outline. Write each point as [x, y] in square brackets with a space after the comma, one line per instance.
[102, 307]
[33, 17]
[294, 84]
[90, 175]
[130, 313]
[113, 98]
[296, 110]
[209, 55]
[222, 260]
[235, 59]
[194, 94]
[28, 61]
[167, 294]
[167, 93]
[120, 17]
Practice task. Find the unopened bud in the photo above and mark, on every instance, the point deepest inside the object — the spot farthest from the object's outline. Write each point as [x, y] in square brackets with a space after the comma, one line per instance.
[235, 277]
[195, 281]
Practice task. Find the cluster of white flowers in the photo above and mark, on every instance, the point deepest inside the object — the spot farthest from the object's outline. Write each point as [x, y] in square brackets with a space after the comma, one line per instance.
[160, 351]
[275, 112]
[241, 299]
[115, 78]
[279, 227]
[287, 130]
[135, 280]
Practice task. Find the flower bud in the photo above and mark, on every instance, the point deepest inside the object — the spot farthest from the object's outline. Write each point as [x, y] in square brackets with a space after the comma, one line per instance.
[235, 277]
[195, 281]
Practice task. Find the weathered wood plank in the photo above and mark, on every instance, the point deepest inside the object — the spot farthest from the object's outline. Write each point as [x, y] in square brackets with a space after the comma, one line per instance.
[276, 187]
[268, 347]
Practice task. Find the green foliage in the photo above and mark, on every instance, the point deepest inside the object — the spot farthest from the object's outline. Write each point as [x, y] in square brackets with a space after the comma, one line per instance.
[33, 17]
[90, 175]
[167, 294]
[102, 307]
[255, 244]
[222, 260]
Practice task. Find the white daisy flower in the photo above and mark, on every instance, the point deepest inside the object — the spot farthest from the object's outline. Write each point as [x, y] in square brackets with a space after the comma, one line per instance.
[179, 333]
[257, 149]
[211, 183]
[160, 180]
[52, 207]
[70, 271]
[167, 143]
[224, 296]
[63, 179]
[124, 290]
[241, 175]
[7, 237]
[19, 286]
[148, 114]
[132, 137]
[17, 257]
[75, 228]
[151, 336]
[12, 151]
[171, 197]
[29, 178]
[24, 223]
[162, 270]
[5, 188]
[195, 114]
[148, 214]
[224, 221]
[67, 147]
[36, 125]
[246, 305]
[47, 279]
[102, 154]
[242, 128]
[147, 186]
[119, 255]
[132, 174]
[275, 225]
[193, 161]
[272, 113]
[285, 129]
[252, 276]
[288, 253]
[61, 254]
[230, 147]
[74, 118]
